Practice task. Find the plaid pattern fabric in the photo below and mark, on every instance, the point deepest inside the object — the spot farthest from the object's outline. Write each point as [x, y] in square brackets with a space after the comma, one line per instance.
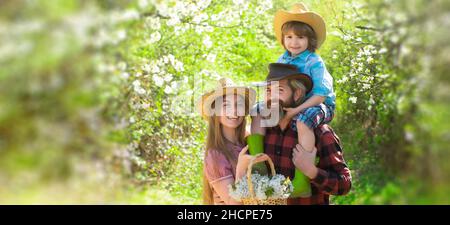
[334, 176]
[314, 116]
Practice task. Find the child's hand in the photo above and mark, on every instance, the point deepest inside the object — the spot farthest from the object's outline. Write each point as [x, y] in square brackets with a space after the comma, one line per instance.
[290, 113]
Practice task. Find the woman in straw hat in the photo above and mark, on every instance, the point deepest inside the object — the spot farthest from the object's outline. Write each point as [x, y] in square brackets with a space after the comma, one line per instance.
[225, 160]
[301, 32]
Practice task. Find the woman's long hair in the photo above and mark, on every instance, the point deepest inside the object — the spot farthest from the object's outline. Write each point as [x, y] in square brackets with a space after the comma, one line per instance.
[216, 142]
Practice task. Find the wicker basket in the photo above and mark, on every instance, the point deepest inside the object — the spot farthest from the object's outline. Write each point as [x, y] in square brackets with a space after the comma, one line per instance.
[252, 200]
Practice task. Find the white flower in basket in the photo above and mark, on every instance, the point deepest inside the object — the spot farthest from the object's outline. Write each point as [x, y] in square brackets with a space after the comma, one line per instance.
[261, 189]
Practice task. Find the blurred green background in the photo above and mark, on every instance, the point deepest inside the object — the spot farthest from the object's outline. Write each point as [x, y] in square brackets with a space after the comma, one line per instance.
[96, 97]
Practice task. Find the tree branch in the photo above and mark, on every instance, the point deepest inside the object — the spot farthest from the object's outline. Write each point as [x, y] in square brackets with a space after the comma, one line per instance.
[189, 22]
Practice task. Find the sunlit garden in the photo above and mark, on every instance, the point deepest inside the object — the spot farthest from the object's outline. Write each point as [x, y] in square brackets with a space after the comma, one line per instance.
[97, 98]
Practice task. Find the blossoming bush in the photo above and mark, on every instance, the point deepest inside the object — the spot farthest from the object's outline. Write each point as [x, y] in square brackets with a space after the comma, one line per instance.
[172, 52]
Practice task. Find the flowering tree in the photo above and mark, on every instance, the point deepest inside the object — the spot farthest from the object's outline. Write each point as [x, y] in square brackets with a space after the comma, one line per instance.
[170, 54]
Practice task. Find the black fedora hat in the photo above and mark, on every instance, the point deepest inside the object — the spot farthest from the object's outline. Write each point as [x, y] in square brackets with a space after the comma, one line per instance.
[281, 71]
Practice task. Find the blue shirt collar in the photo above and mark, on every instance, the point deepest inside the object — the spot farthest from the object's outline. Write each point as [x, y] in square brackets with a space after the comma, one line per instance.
[302, 55]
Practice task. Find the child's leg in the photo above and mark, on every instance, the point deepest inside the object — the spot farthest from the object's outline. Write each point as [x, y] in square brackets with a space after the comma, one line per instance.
[305, 136]
[328, 113]
[307, 121]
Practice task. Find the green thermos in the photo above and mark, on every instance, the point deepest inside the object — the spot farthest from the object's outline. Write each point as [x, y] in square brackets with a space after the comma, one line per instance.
[255, 144]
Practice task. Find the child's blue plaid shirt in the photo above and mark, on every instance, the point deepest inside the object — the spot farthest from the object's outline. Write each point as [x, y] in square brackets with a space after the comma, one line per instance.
[312, 65]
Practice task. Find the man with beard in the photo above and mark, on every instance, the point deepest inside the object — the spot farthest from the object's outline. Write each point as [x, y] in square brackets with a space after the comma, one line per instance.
[330, 175]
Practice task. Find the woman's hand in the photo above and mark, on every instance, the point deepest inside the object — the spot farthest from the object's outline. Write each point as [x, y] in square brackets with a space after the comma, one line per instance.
[244, 161]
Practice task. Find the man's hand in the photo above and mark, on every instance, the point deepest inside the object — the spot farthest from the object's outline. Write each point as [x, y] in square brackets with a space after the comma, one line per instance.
[304, 161]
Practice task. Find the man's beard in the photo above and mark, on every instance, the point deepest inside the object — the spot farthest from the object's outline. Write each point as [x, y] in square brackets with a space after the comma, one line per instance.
[290, 105]
[281, 105]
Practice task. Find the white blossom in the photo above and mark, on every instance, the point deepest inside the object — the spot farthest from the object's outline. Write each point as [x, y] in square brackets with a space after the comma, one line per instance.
[182, 28]
[200, 18]
[136, 83]
[266, 4]
[238, 2]
[137, 87]
[129, 15]
[105, 68]
[366, 86]
[211, 57]
[199, 29]
[178, 66]
[145, 105]
[343, 80]
[158, 80]
[125, 75]
[152, 67]
[173, 21]
[382, 50]
[346, 37]
[207, 42]
[140, 90]
[168, 77]
[215, 17]
[143, 4]
[138, 74]
[153, 23]
[168, 90]
[121, 35]
[154, 37]
[353, 99]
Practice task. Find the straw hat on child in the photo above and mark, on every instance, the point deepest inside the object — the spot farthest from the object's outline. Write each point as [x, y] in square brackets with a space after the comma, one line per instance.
[300, 13]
